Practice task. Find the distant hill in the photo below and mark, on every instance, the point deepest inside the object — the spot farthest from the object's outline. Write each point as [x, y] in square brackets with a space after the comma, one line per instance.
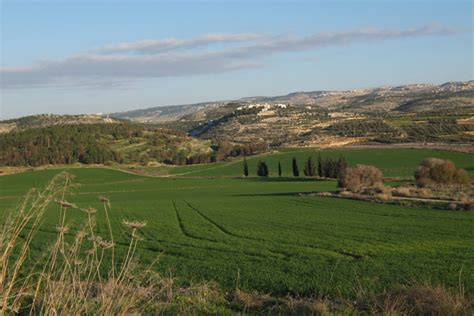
[406, 98]
[44, 120]
[190, 133]
[409, 113]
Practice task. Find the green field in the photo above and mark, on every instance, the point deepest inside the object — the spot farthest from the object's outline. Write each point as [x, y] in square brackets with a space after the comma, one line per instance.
[260, 229]
[392, 162]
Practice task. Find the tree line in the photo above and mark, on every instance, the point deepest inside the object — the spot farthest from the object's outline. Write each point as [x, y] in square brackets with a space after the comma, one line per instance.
[324, 167]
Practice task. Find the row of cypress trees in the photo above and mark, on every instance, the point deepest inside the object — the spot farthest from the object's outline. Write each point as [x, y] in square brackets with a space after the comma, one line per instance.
[326, 167]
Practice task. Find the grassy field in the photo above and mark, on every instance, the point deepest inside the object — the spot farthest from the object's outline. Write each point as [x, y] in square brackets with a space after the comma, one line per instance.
[392, 162]
[261, 234]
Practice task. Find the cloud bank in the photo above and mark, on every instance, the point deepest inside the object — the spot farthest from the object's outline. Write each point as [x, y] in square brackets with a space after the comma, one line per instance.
[207, 54]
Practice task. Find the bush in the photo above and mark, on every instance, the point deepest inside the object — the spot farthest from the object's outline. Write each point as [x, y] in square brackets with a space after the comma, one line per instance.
[360, 177]
[402, 191]
[432, 171]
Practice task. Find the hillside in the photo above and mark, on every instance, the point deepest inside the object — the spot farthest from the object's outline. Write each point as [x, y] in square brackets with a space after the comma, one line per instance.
[44, 120]
[98, 143]
[410, 113]
[382, 98]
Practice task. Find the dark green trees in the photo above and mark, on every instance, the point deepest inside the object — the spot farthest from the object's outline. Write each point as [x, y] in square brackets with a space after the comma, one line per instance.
[294, 167]
[309, 168]
[262, 169]
[246, 168]
[320, 166]
[279, 169]
[341, 167]
[331, 168]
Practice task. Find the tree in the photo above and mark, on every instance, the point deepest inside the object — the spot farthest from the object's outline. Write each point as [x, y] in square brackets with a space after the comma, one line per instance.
[360, 177]
[433, 171]
[296, 171]
[309, 168]
[320, 166]
[341, 167]
[262, 169]
[246, 168]
[279, 169]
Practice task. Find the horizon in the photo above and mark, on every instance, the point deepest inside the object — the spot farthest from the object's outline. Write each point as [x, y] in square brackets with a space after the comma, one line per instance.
[236, 99]
[115, 56]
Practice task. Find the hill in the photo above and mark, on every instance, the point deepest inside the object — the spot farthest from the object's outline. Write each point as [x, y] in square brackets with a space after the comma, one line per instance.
[98, 143]
[410, 113]
[381, 98]
[123, 142]
[44, 120]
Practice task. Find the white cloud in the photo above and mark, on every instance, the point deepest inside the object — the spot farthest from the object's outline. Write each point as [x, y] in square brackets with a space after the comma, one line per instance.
[215, 53]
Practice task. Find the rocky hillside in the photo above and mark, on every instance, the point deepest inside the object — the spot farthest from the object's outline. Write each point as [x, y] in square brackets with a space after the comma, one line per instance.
[44, 120]
[407, 98]
[410, 113]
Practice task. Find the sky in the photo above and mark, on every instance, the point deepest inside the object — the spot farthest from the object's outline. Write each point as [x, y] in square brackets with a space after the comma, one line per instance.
[72, 57]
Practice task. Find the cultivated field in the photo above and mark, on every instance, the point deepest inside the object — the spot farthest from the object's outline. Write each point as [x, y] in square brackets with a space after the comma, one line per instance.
[392, 162]
[259, 234]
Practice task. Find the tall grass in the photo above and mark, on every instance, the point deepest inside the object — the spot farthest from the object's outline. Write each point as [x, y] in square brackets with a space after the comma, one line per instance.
[70, 279]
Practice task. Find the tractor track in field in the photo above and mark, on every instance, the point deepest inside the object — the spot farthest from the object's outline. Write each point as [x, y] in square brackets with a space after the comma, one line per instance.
[187, 234]
[220, 227]
[183, 228]
[224, 230]
[195, 247]
[230, 234]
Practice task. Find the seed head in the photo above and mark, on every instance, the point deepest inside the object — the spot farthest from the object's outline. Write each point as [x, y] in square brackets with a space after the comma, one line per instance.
[62, 229]
[105, 200]
[66, 204]
[80, 234]
[89, 210]
[95, 239]
[105, 244]
[134, 224]
[90, 251]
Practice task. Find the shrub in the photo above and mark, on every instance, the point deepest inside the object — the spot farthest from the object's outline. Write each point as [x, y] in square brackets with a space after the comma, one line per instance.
[402, 191]
[423, 299]
[432, 171]
[360, 177]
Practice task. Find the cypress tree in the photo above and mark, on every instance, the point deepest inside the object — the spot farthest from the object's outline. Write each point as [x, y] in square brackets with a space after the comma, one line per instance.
[246, 168]
[320, 166]
[296, 171]
[262, 169]
[341, 167]
[279, 169]
[329, 167]
[309, 168]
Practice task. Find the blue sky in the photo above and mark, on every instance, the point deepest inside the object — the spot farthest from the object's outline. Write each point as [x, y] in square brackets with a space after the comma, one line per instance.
[107, 56]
